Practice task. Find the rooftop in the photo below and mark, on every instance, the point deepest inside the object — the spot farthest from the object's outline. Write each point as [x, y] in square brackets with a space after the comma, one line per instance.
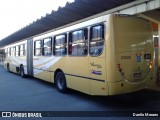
[72, 12]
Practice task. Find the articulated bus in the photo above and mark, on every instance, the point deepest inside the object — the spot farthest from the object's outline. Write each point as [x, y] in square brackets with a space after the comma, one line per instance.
[107, 55]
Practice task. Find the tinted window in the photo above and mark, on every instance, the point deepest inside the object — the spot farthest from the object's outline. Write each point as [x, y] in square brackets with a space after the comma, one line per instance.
[25, 49]
[13, 51]
[96, 40]
[78, 45]
[22, 50]
[17, 50]
[6, 52]
[47, 43]
[60, 47]
[9, 51]
[38, 48]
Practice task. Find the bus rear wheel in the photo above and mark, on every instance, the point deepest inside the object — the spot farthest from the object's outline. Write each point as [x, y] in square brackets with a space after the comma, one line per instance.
[61, 82]
[22, 72]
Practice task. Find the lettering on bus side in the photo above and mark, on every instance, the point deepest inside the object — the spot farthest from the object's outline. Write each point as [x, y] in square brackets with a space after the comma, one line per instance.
[96, 65]
[125, 57]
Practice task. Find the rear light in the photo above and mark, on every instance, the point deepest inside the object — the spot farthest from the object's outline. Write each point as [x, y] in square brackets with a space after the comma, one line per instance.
[151, 64]
[118, 65]
[120, 69]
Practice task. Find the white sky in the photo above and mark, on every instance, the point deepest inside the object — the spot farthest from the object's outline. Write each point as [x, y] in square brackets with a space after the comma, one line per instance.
[16, 14]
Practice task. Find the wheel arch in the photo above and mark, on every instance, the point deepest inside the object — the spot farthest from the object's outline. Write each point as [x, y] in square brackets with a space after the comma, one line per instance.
[60, 81]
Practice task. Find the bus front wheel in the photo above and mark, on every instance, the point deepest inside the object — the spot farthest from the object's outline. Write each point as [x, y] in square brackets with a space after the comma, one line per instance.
[61, 82]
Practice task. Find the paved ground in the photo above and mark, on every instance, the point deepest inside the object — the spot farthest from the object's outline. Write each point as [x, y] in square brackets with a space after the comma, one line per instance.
[30, 94]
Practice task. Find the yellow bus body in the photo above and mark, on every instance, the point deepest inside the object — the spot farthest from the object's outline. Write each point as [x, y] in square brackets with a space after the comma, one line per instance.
[125, 65]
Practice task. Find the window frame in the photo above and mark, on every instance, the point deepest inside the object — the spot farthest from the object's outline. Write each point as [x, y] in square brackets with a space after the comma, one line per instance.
[65, 44]
[98, 40]
[17, 52]
[40, 48]
[22, 50]
[13, 51]
[25, 49]
[70, 41]
[9, 51]
[6, 51]
[51, 46]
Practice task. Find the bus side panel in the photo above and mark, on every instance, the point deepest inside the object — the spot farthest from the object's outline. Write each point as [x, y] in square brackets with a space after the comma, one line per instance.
[42, 67]
[98, 75]
[114, 87]
[76, 72]
[14, 61]
[13, 64]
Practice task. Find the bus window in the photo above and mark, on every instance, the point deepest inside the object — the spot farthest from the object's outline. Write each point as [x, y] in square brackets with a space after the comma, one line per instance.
[96, 40]
[60, 47]
[38, 48]
[13, 51]
[22, 50]
[17, 50]
[25, 49]
[47, 46]
[78, 45]
[9, 51]
[6, 52]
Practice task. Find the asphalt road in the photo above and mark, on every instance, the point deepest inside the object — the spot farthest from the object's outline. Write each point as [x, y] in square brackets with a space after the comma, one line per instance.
[31, 94]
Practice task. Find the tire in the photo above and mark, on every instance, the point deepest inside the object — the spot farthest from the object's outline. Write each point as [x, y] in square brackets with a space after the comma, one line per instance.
[61, 82]
[21, 72]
